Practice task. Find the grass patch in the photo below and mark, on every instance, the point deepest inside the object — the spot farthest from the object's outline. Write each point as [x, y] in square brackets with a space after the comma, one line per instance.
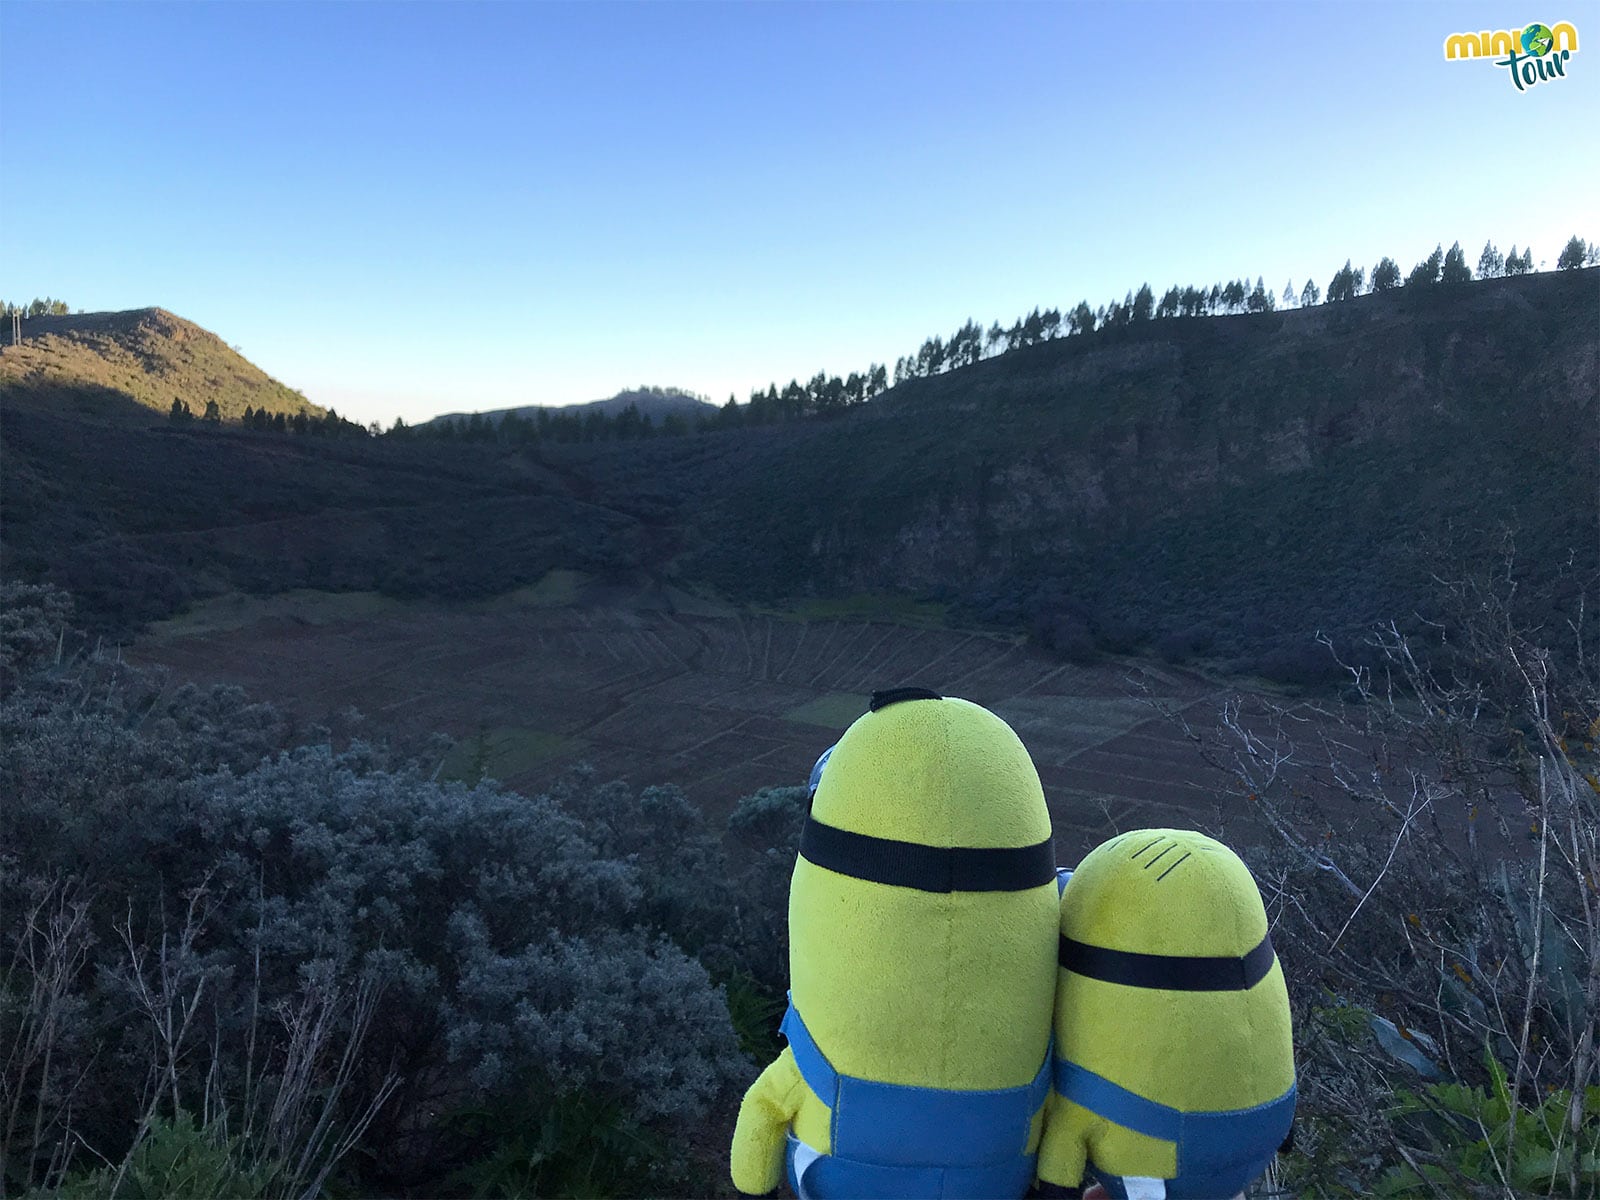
[559, 588]
[236, 610]
[693, 604]
[837, 710]
[1090, 719]
[504, 752]
[864, 606]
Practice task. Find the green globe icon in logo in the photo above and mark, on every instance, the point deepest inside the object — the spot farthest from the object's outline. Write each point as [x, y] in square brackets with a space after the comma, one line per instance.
[1537, 39]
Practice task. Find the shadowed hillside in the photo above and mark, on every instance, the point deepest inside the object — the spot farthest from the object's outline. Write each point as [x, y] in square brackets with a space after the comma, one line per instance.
[1213, 483]
[139, 517]
[146, 355]
[1214, 489]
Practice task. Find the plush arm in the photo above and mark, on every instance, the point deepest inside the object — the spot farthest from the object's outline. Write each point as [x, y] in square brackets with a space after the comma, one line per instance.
[1063, 1150]
[762, 1131]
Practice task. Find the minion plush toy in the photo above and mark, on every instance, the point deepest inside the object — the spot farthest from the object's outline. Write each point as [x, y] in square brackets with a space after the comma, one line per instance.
[1174, 1071]
[923, 916]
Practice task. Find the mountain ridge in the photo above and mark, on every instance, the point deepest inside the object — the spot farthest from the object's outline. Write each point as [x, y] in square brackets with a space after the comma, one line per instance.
[1230, 482]
[654, 405]
[149, 356]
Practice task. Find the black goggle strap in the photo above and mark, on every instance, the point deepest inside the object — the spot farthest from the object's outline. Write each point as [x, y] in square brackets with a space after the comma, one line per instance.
[927, 868]
[1168, 972]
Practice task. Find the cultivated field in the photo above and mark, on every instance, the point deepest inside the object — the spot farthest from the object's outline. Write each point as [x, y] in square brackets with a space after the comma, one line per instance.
[654, 686]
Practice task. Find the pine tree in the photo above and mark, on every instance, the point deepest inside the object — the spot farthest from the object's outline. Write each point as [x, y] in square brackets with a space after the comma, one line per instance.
[1454, 269]
[1143, 304]
[1573, 255]
[1491, 263]
[1426, 272]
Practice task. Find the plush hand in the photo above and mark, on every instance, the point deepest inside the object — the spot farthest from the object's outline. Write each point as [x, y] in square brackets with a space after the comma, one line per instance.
[761, 1134]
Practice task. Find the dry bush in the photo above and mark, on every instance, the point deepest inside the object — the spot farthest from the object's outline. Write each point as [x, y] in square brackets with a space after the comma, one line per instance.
[1429, 851]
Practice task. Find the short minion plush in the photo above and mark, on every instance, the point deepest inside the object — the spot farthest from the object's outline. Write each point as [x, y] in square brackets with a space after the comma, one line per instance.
[923, 917]
[1174, 1071]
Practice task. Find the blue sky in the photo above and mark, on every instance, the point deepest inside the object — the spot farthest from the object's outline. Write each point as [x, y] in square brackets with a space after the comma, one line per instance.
[403, 209]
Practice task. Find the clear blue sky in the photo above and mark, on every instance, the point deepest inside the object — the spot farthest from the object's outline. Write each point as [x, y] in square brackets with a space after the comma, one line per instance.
[404, 209]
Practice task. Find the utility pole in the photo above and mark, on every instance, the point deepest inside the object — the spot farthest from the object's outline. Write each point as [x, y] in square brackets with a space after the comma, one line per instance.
[16, 327]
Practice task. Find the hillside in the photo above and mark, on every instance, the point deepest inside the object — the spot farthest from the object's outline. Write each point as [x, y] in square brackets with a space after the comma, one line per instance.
[654, 405]
[146, 355]
[1218, 483]
[1215, 489]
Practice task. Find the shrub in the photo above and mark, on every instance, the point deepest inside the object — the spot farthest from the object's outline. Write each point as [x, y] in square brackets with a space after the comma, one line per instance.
[1299, 663]
[1117, 633]
[771, 819]
[767, 824]
[1430, 883]
[322, 949]
[1182, 645]
[1482, 1138]
[1067, 634]
[175, 1158]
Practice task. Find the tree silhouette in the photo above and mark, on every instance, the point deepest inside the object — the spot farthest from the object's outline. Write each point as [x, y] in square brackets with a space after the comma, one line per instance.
[1345, 284]
[1491, 263]
[1426, 272]
[1572, 255]
[1309, 294]
[1454, 270]
[1386, 275]
[1143, 303]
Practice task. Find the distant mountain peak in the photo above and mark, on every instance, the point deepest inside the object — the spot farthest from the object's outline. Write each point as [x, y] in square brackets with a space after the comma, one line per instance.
[655, 404]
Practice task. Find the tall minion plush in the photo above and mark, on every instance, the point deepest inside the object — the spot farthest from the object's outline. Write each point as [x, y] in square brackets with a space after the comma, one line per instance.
[1174, 1072]
[923, 918]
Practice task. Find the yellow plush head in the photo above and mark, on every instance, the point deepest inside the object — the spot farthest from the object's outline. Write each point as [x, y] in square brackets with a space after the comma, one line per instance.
[1168, 989]
[906, 965]
[932, 989]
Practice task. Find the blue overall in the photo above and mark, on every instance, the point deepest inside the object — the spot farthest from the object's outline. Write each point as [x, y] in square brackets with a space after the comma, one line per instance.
[890, 1141]
[1219, 1153]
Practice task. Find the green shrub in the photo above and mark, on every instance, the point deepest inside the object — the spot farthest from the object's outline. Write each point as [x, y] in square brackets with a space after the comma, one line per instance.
[572, 1145]
[1480, 1139]
[175, 1159]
